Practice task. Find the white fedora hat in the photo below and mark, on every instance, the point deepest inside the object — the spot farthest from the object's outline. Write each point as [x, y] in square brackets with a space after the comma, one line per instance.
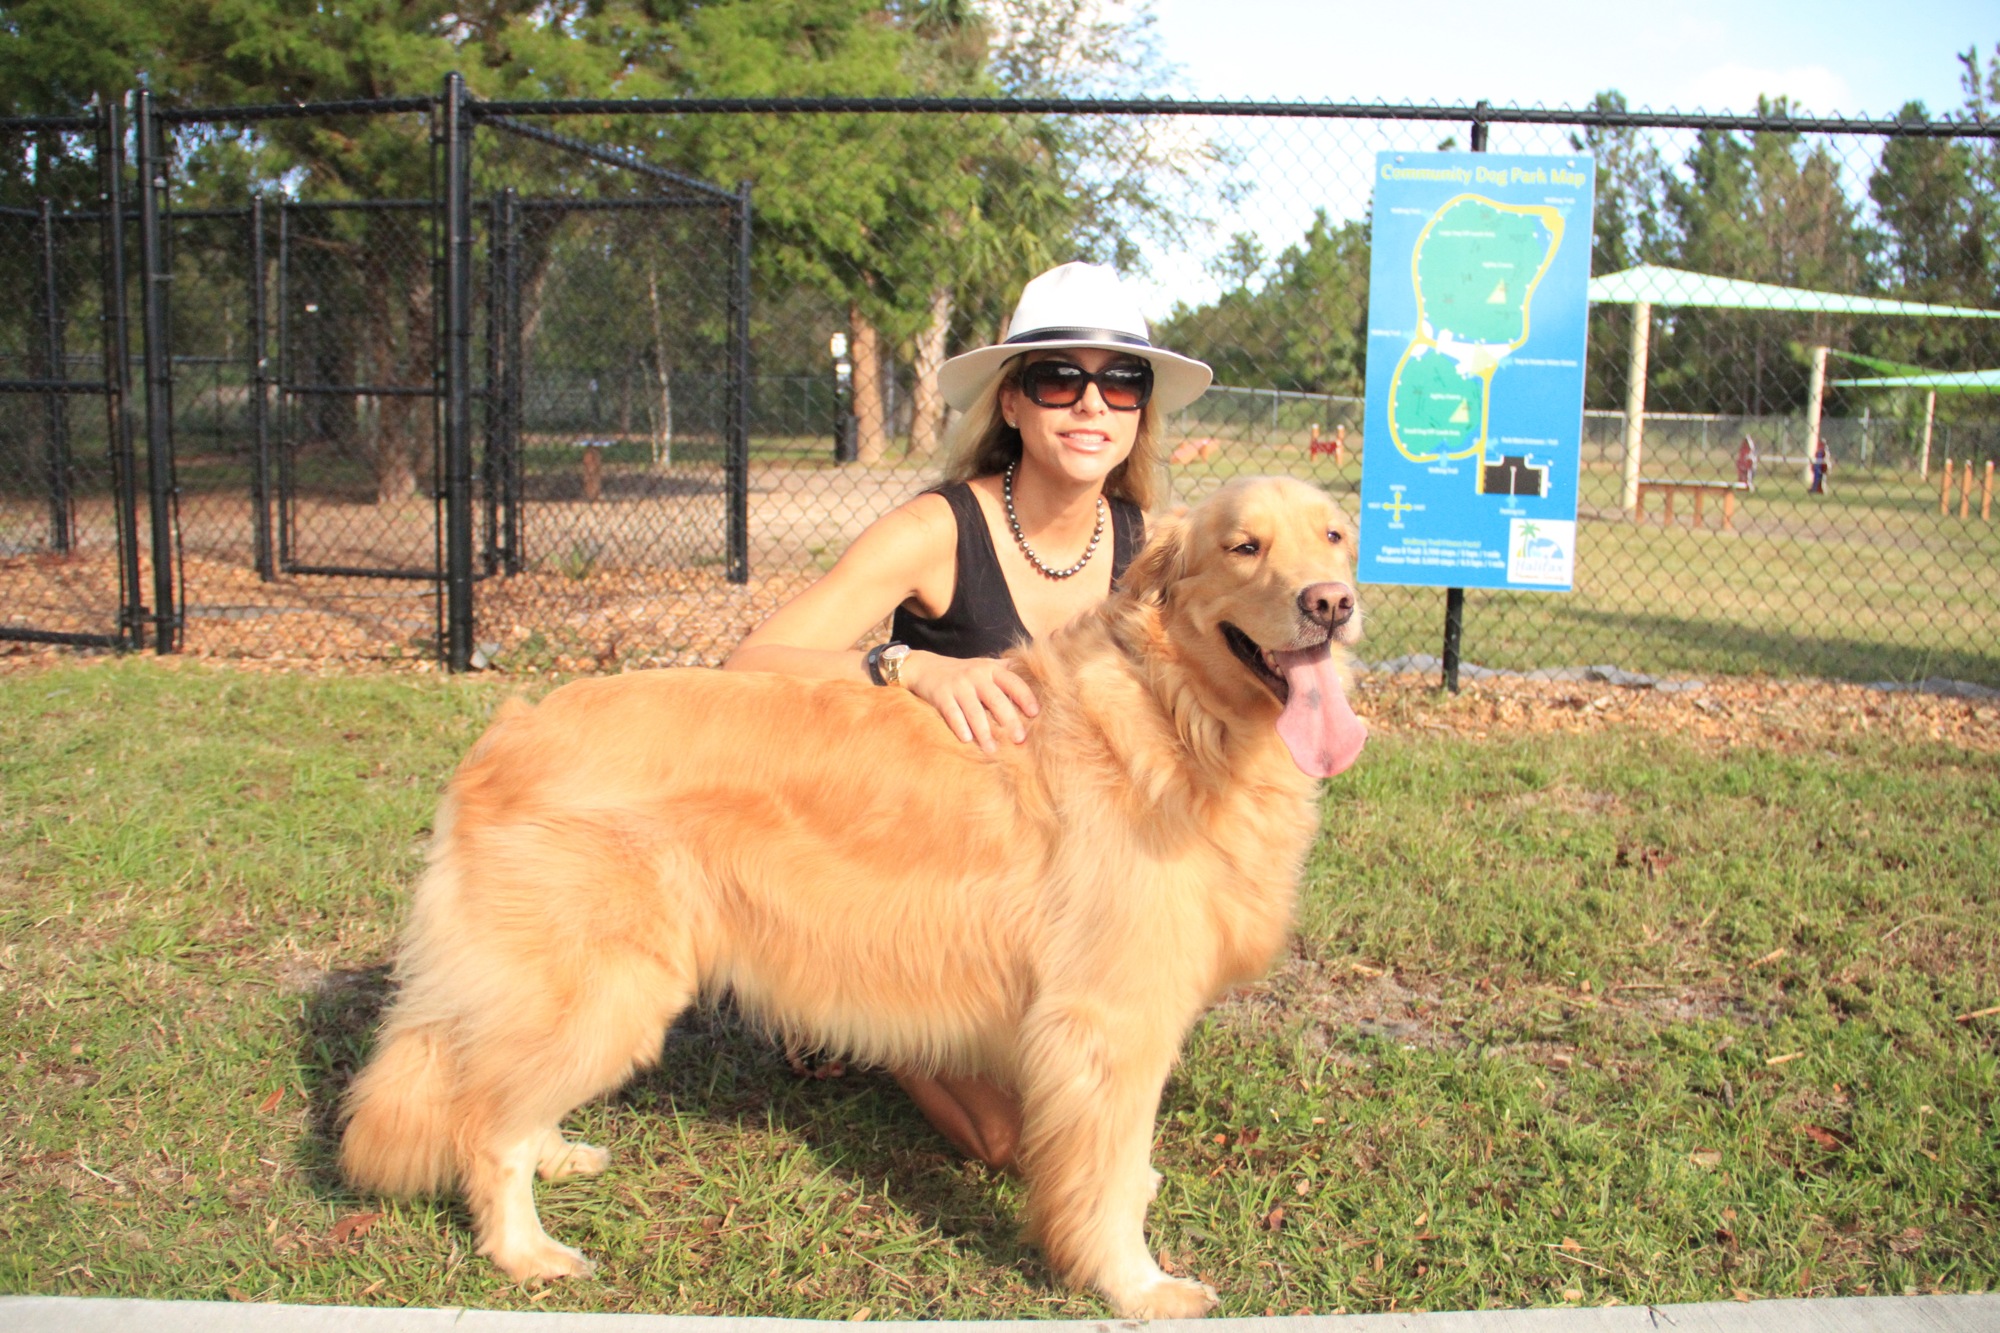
[1076, 305]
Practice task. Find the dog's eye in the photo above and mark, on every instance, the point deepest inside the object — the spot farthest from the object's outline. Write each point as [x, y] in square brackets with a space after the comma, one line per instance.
[1333, 535]
[1246, 548]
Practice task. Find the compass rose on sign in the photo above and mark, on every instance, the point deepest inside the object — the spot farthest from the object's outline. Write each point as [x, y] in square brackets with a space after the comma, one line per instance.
[1397, 507]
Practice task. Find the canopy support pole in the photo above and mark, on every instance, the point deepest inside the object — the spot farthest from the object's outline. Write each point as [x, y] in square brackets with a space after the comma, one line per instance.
[1815, 402]
[1635, 404]
[1930, 416]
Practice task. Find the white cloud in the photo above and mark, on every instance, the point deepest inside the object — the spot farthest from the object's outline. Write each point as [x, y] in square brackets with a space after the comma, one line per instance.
[1735, 87]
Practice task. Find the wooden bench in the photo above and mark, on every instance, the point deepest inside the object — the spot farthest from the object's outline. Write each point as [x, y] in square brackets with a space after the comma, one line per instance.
[1668, 488]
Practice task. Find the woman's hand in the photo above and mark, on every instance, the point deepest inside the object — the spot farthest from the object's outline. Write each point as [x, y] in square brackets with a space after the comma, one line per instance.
[979, 698]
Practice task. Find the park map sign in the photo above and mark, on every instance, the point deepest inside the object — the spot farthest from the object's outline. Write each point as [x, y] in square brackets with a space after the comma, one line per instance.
[1478, 304]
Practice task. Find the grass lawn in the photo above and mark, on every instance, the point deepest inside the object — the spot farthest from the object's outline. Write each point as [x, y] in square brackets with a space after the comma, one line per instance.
[1596, 997]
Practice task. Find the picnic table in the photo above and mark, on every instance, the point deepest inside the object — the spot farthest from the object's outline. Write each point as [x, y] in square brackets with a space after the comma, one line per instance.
[1668, 487]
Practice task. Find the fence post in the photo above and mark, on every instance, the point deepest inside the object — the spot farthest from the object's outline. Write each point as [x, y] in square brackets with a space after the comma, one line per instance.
[1815, 404]
[286, 375]
[54, 409]
[739, 391]
[517, 390]
[117, 349]
[501, 466]
[1930, 419]
[457, 296]
[260, 390]
[1635, 405]
[1454, 598]
[490, 452]
[154, 275]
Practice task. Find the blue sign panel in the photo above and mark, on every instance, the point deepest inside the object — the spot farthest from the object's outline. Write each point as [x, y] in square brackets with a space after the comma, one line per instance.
[1478, 305]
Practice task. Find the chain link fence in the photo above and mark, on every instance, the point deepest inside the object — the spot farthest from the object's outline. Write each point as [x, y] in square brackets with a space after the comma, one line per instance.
[529, 385]
[70, 560]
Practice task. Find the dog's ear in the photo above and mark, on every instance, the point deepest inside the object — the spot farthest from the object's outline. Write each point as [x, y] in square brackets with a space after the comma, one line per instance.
[1162, 561]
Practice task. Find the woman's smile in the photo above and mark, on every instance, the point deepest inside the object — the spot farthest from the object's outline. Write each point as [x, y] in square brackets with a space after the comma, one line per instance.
[1087, 440]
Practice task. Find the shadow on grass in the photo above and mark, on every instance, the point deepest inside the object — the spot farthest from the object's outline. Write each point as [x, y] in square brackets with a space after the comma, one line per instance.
[715, 1067]
[336, 1035]
[1672, 642]
[721, 1068]
[1528, 631]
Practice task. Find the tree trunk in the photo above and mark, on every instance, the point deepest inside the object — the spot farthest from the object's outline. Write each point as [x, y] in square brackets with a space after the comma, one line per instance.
[871, 429]
[395, 430]
[926, 403]
[663, 414]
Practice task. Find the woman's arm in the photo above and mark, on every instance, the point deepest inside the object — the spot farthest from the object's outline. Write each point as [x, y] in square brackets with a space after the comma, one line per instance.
[899, 557]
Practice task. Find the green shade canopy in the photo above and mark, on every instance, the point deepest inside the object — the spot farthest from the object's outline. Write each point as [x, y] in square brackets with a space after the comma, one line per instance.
[1943, 381]
[1677, 287]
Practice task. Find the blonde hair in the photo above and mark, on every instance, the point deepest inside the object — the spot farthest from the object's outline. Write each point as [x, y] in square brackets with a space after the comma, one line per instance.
[980, 443]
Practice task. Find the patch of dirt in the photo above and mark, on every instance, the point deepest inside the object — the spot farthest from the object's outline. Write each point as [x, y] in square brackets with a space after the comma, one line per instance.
[1790, 716]
[1567, 801]
[1431, 1013]
[1782, 715]
[587, 620]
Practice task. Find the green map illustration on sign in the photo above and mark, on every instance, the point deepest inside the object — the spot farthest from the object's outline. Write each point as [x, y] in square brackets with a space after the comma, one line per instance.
[1475, 267]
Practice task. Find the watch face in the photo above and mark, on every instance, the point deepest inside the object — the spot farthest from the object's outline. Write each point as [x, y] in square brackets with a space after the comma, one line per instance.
[892, 662]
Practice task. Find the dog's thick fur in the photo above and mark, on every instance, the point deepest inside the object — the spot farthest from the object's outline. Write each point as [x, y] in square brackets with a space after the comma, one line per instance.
[1055, 915]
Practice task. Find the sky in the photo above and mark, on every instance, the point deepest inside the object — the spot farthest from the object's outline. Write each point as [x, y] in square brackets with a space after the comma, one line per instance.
[1830, 57]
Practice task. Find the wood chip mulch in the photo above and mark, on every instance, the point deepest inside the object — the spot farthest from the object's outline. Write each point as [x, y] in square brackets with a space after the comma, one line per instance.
[538, 625]
[1774, 714]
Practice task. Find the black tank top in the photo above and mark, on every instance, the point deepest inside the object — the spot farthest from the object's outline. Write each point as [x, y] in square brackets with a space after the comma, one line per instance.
[982, 620]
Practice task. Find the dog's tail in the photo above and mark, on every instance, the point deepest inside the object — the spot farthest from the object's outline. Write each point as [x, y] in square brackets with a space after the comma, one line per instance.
[398, 1138]
[397, 1115]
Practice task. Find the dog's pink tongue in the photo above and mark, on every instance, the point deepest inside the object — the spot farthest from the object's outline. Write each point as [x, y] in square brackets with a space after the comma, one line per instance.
[1317, 726]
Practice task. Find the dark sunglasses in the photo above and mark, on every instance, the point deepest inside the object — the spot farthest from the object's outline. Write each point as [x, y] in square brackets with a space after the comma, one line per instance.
[1124, 388]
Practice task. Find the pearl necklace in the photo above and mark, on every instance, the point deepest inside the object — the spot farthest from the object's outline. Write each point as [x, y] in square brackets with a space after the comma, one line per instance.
[1007, 494]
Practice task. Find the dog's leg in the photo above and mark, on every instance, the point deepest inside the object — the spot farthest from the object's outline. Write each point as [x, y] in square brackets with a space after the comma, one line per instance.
[523, 1072]
[561, 1159]
[1089, 1098]
[499, 1186]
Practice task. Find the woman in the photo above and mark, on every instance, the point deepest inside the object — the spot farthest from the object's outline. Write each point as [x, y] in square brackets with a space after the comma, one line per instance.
[1050, 466]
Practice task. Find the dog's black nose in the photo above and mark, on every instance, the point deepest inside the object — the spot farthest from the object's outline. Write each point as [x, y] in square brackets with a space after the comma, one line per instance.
[1328, 604]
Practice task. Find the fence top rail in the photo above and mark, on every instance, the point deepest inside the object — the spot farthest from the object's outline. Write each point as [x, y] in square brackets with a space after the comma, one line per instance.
[21, 124]
[643, 202]
[1166, 106]
[189, 115]
[1477, 112]
[335, 205]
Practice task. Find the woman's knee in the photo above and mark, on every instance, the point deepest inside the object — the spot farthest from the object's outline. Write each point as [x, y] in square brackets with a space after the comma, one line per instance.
[1000, 1142]
[995, 1114]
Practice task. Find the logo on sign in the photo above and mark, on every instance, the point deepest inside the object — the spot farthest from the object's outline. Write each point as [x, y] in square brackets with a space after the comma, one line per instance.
[1541, 551]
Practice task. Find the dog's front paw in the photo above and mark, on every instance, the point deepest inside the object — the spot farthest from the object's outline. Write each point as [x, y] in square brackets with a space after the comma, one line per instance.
[541, 1261]
[1170, 1298]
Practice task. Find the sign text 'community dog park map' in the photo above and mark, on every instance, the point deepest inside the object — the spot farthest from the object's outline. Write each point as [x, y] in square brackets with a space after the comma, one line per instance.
[1478, 304]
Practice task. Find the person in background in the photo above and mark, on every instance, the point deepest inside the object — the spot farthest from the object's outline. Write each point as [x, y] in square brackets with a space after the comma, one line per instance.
[1822, 463]
[1049, 471]
[1746, 464]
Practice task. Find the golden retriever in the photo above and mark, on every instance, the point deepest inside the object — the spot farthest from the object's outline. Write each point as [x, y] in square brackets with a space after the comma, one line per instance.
[1056, 915]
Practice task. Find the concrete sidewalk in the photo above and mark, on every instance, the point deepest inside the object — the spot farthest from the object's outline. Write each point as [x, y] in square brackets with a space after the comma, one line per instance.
[1862, 1314]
